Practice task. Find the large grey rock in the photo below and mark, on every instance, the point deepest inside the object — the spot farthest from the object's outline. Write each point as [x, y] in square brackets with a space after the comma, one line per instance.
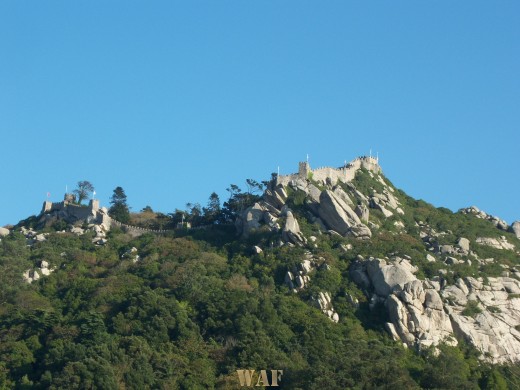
[324, 303]
[276, 197]
[463, 243]
[250, 219]
[40, 237]
[421, 318]
[338, 191]
[291, 231]
[289, 279]
[432, 299]
[77, 230]
[336, 213]
[313, 192]
[501, 243]
[377, 204]
[360, 231]
[502, 225]
[386, 277]
[515, 228]
[306, 266]
[45, 271]
[362, 212]
[446, 249]
[413, 293]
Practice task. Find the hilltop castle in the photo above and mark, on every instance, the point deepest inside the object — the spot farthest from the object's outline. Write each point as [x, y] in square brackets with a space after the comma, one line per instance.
[344, 173]
[71, 212]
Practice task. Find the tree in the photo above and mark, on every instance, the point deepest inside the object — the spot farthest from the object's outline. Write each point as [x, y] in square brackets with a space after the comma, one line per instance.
[212, 212]
[253, 186]
[85, 188]
[238, 200]
[119, 209]
[194, 211]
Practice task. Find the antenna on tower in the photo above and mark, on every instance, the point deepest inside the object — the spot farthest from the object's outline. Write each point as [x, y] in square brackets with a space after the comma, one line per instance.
[370, 152]
[377, 158]
[307, 158]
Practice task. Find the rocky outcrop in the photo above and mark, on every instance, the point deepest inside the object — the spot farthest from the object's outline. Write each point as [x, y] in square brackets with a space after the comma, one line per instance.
[324, 303]
[250, 219]
[77, 230]
[415, 309]
[340, 208]
[291, 232]
[131, 254]
[496, 243]
[375, 203]
[339, 216]
[515, 228]
[385, 201]
[4, 232]
[426, 312]
[473, 210]
[491, 324]
[276, 197]
[463, 244]
[362, 212]
[387, 277]
[360, 231]
[298, 278]
[336, 213]
[32, 275]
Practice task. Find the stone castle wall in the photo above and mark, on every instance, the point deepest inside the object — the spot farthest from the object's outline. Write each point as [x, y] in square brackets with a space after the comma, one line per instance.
[91, 214]
[77, 211]
[344, 174]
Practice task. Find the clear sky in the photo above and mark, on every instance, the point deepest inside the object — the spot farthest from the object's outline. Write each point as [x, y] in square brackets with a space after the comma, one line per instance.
[173, 100]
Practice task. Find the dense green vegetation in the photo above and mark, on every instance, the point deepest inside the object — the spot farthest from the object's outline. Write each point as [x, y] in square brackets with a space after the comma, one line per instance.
[199, 304]
[189, 314]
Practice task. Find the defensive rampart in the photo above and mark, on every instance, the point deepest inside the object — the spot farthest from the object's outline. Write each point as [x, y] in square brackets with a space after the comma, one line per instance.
[344, 174]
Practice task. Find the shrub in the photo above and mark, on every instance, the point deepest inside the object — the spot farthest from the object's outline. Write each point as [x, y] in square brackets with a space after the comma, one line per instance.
[471, 309]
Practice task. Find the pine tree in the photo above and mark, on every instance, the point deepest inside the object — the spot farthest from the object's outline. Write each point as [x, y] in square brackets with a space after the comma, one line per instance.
[212, 212]
[119, 209]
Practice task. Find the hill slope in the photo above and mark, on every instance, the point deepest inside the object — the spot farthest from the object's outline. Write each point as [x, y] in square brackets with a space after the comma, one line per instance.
[325, 277]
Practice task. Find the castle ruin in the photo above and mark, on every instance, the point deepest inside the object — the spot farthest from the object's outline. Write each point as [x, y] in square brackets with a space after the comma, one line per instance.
[344, 173]
[71, 212]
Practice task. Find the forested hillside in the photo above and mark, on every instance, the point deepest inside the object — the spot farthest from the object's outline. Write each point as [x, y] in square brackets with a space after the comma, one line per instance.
[188, 308]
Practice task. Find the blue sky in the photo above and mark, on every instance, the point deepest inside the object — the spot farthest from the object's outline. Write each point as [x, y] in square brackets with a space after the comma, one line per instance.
[173, 100]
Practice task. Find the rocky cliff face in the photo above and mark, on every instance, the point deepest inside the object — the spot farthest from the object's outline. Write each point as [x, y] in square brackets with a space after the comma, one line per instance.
[421, 312]
[338, 207]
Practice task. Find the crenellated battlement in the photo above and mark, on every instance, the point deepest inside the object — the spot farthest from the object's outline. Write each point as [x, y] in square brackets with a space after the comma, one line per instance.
[71, 212]
[344, 173]
[68, 203]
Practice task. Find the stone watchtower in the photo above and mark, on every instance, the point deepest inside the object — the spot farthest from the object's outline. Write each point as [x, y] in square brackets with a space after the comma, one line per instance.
[94, 205]
[303, 169]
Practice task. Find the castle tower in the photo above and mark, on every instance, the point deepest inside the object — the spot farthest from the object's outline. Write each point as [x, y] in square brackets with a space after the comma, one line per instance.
[303, 169]
[94, 205]
[69, 198]
[47, 206]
